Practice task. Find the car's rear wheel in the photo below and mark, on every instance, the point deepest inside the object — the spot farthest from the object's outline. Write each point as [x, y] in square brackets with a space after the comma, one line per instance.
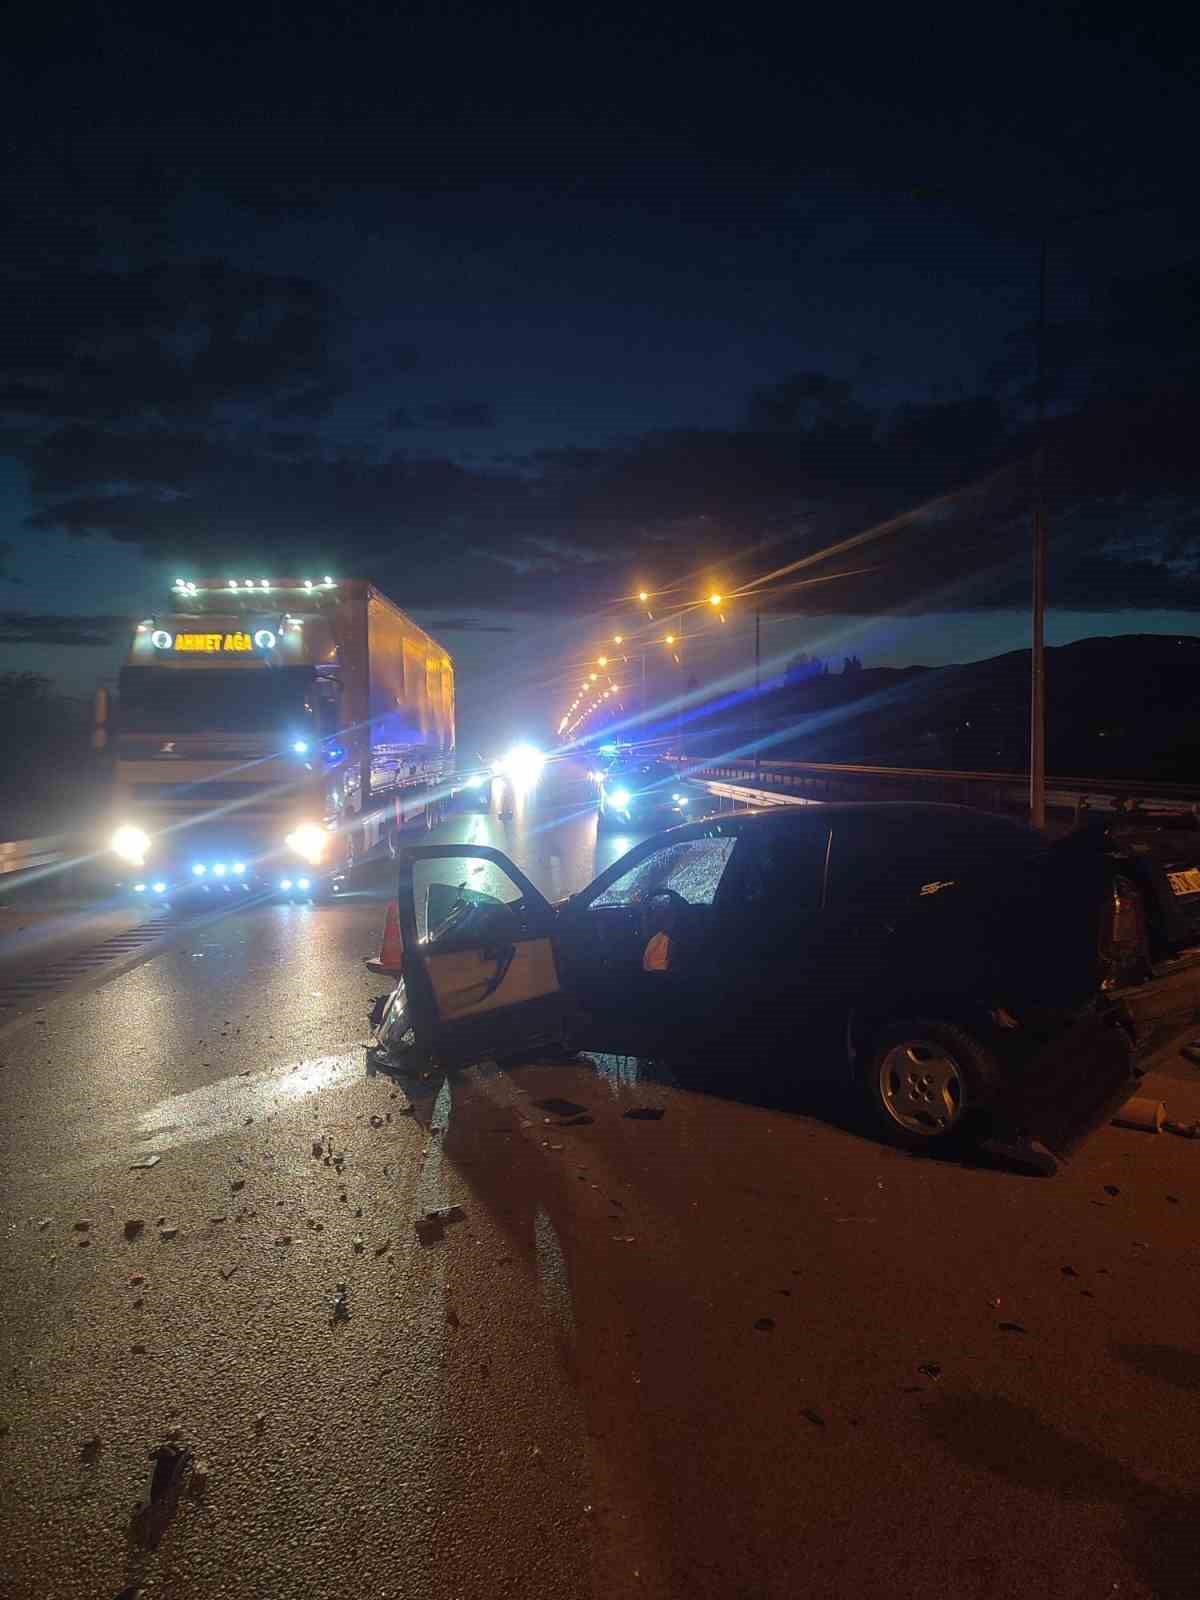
[927, 1080]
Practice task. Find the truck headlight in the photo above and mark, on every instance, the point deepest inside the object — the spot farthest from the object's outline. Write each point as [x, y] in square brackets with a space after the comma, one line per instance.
[309, 841]
[131, 844]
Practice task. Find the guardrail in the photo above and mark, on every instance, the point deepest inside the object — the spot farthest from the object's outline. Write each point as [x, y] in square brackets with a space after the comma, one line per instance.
[772, 781]
[22, 855]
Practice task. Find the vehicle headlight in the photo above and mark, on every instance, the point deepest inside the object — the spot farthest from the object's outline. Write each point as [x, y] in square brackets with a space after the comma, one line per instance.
[309, 841]
[622, 799]
[131, 844]
[524, 764]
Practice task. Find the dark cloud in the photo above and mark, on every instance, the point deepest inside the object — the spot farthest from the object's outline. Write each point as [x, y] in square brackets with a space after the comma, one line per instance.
[20, 627]
[468, 625]
[174, 340]
[444, 414]
[460, 414]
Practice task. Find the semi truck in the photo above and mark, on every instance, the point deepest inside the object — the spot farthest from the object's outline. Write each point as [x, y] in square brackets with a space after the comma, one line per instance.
[271, 733]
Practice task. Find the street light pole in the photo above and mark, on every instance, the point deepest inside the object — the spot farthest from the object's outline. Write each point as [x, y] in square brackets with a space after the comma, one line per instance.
[1037, 698]
[757, 684]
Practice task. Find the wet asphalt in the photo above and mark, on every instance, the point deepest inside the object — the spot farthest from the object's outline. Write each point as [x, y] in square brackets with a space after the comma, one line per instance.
[736, 1349]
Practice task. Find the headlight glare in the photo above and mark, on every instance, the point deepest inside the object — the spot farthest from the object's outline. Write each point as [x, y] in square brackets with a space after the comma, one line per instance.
[131, 844]
[310, 841]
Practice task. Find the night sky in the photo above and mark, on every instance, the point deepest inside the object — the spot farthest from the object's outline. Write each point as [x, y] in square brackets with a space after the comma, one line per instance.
[514, 310]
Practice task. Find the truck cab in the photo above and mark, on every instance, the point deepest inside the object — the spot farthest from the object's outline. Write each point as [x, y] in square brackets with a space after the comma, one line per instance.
[270, 734]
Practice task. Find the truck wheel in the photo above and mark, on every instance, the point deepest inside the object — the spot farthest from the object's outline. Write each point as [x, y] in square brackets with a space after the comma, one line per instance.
[927, 1081]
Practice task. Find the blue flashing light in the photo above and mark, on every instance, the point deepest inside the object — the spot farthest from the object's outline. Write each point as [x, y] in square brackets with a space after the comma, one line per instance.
[302, 883]
[219, 869]
[335, 753]
[238, 868]
[199, 869]
[608, 749]
[300, 747]
[622, 799]
[139, 888]
[285, 883]
[160, 888]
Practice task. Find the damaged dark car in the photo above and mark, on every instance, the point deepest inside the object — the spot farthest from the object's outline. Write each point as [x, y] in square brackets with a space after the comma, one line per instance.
[956, 967]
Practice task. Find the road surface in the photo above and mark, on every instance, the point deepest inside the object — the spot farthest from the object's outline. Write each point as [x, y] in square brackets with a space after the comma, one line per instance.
[733, 1349]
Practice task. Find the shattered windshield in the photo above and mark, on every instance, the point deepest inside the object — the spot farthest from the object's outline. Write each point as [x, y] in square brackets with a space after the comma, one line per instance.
[691, 869]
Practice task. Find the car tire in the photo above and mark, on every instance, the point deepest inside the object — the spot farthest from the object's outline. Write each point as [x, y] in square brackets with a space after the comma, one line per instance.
[927, 1082]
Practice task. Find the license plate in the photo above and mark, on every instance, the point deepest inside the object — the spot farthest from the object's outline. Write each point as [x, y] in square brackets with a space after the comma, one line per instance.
[1185, 882]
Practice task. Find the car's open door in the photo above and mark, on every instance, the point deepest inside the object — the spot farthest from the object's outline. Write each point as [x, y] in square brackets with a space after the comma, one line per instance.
[479, 962]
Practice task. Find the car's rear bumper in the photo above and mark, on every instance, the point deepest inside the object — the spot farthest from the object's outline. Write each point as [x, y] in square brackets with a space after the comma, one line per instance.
[1072, 1083]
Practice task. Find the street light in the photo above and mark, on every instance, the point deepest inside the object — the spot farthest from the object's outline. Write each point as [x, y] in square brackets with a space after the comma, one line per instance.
[714, 600]
[602, 661]
[618, 638]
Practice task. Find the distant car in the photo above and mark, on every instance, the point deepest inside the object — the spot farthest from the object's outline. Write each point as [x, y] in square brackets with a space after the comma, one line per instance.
[642, 794]
[952, 962]
[474, 784]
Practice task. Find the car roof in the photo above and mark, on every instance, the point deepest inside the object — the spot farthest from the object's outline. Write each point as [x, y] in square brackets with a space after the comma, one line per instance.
[788, 815]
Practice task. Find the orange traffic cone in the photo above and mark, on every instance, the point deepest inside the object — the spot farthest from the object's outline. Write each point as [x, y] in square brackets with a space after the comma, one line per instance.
[389, 963]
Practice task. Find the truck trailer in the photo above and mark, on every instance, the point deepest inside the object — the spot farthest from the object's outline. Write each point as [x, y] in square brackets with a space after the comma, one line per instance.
[270, 733]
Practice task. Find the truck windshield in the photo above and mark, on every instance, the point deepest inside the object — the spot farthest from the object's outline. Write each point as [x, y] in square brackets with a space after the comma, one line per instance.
[212, 700]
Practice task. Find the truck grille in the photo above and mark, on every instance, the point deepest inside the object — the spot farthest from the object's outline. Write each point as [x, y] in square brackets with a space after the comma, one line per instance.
[211, 791]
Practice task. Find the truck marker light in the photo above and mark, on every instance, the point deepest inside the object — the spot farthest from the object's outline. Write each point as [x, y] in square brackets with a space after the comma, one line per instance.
[199, 869]
[238, 868]
[219, 869]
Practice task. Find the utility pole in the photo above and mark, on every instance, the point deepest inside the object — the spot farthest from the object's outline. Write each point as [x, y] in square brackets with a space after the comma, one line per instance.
[1037, 698]
[757, 684]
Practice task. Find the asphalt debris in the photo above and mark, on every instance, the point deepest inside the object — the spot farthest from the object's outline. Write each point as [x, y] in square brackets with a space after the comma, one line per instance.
[382, 1249]
[357, 1242]
[89, 1450]
[1068, 1272]
[1012, 1327]
[1111, 1188]
[146, 1162]
[237, 1183]
[560, 1108]
[815, 1417]
[228, 1272]
[133, 1226]
[82, 1225]
[172, 1463]
[341, 1308]
[645, 1114]
[167, 1234]
[930, 1369]
[764, 1325]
